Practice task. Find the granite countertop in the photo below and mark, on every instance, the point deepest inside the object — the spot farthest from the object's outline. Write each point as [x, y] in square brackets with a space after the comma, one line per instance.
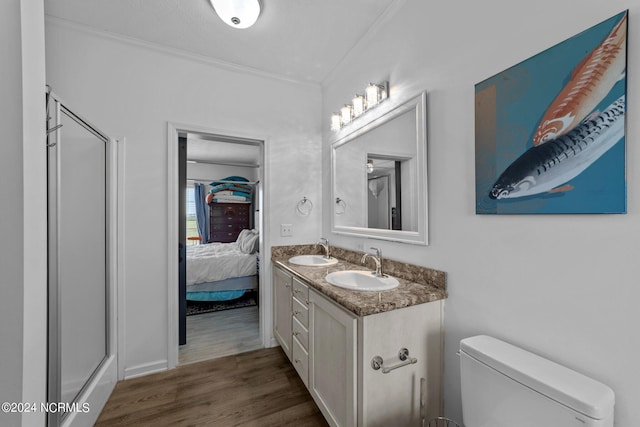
[418, 285]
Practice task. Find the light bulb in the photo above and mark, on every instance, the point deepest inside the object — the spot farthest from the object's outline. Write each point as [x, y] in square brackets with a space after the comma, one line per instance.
[345, 114]
[335, 121]
[373, 95]
[358, 105]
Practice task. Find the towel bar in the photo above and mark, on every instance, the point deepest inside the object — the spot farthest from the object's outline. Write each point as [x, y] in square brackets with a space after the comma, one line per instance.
[378, 363]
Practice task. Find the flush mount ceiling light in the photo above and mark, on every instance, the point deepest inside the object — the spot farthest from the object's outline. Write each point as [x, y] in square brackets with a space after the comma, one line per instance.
[237, 13]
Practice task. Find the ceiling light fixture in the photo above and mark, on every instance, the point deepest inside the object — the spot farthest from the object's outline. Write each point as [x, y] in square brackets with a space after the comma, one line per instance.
[369, 166]
[374, 95]
[237, 13]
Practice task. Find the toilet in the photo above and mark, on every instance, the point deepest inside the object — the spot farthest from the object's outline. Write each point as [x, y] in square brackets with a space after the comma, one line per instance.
[505, 386]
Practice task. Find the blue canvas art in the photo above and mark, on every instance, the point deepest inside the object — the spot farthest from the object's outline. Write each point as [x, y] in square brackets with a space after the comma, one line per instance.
[550, 131]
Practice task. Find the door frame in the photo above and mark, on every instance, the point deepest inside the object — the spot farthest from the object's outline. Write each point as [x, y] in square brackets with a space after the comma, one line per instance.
[264, 291]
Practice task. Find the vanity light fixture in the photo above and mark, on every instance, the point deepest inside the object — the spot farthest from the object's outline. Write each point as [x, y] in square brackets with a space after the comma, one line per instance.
[358, 105]
[374, 95]
[237, 13]
[335, 121]
[346, 114]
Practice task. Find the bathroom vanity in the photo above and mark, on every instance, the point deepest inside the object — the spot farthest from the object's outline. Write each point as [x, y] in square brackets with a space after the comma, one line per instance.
[348, 346]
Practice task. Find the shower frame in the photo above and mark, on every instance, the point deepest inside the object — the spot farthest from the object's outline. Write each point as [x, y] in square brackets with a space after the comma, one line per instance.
[94, 392]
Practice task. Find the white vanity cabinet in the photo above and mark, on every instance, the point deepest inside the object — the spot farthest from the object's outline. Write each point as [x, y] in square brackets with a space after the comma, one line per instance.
[282, 309]
[299, 327]
[333, 360]
[332, 350]
[291, 319]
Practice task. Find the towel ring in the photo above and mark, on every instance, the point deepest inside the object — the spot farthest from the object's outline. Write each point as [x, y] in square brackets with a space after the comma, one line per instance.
[341, 206]
[304, 206]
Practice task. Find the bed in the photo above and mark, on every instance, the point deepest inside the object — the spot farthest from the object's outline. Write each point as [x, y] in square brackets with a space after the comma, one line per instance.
[223, 271]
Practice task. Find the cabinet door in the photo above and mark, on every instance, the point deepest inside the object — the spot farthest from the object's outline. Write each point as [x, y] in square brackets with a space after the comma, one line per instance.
[282, 309]
[332, 360]
[397, 395]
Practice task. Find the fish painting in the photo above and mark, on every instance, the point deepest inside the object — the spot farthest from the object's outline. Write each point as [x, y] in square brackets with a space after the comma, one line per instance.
[582, 120]
[548, 166]
[590, 82]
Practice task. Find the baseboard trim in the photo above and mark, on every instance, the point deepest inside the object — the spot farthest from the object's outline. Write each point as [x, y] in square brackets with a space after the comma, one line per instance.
[94, 397]
[145, 369]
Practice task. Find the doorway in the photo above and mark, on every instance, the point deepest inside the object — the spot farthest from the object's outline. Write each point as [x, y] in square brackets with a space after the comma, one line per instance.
[219, 205]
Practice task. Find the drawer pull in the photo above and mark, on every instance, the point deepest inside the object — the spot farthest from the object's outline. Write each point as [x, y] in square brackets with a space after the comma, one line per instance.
[297, 360]
[296, 333]
[297, 312]
[378, 363]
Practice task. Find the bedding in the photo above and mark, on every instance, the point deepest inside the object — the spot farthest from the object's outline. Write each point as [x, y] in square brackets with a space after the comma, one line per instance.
[223, 290]
[212, 262]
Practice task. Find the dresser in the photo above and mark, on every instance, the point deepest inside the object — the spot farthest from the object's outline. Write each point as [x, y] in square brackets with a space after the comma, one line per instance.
[226, 220]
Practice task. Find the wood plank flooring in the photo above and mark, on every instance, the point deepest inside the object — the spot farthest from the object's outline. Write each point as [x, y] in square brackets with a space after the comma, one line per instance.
[258, 388]
[221, 333]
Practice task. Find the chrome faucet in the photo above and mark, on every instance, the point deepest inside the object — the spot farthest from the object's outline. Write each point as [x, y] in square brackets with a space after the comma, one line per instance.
[325, 244]
[378, 259]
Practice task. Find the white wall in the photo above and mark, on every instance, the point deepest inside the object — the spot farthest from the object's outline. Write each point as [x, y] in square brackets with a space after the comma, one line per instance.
[133, 90]
[22, 209]
[565, 287]
[11, 241]
[207, 173]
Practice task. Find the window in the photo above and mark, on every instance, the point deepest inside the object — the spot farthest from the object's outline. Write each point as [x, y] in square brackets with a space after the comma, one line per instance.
[192, 227]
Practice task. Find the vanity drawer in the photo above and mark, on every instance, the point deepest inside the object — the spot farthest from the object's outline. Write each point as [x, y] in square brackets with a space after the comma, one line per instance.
[300, 291]
[300, 311]
[301, 361]
[301, 333]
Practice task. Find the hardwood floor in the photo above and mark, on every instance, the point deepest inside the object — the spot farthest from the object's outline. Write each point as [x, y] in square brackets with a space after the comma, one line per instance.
[221, 333]
[258, 388]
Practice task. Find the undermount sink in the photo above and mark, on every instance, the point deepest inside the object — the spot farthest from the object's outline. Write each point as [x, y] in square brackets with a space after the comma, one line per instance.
[312, 260]
[360, 280]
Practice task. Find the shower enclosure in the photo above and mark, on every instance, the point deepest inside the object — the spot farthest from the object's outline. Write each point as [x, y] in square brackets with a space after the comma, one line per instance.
[82, 358]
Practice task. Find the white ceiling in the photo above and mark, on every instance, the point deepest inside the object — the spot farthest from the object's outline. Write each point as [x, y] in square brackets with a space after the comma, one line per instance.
[301, 40]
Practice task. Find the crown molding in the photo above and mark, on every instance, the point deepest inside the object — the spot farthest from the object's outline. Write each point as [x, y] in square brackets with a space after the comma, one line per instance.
[179, 53]
[382, 19]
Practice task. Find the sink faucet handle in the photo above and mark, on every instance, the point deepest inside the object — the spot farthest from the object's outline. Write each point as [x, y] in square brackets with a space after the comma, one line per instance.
[378, 251]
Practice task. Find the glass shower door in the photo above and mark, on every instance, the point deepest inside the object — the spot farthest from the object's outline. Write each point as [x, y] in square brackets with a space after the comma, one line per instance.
[78, 248]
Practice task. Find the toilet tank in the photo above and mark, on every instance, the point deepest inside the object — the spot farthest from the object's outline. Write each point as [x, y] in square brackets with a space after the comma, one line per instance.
[505, 386]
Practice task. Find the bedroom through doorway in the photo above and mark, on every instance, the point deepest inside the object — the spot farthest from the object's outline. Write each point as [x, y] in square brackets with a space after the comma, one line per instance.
[220, 195]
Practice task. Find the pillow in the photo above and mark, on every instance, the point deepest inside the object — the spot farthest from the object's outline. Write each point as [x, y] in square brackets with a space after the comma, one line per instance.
[248, 242]
[243, 235]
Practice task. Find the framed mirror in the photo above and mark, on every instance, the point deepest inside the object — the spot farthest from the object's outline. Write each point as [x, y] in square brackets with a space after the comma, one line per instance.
[379, 177]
